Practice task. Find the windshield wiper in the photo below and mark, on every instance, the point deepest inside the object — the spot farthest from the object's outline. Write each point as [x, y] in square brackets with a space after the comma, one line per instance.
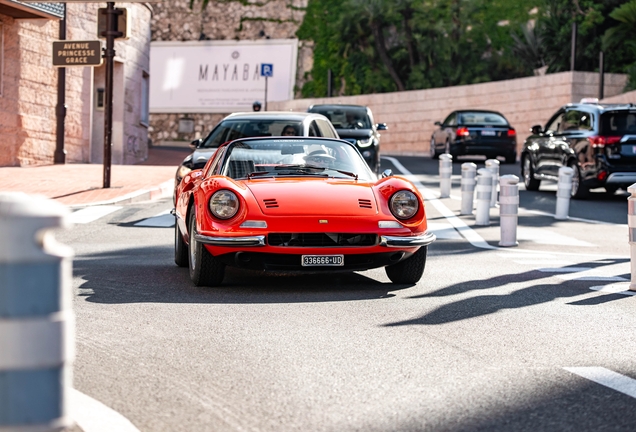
[260, 173]
[347, 173]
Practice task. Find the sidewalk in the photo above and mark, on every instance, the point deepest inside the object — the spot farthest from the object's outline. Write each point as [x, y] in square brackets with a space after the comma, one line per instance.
[80, 185]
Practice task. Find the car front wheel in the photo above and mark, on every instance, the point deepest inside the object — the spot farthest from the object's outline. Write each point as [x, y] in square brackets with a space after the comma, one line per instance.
[529, 181]
[180, 247]
[205, 270]
[410, 270]
[579, 191]
[433, 151]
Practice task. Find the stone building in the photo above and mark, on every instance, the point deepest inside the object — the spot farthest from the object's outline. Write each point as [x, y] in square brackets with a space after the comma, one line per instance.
[29, 91]
[227, 20]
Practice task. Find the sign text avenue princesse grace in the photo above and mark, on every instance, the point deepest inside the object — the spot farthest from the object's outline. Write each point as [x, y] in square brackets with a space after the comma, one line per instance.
[77, 53]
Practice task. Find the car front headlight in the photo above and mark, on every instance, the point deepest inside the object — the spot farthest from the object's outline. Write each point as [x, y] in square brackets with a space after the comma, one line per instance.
[404, 204]
[365, 143]
[224, 204]
[183, 171]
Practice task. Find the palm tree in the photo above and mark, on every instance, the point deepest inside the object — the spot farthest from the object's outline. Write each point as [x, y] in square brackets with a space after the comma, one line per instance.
[624, 31]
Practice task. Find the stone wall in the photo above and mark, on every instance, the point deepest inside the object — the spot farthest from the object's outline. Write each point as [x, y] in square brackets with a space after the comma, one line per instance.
[629, 97]
[524, 102]
[234, 19]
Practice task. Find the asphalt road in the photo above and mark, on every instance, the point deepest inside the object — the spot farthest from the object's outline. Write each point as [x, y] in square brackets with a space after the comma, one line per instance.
[481, 343]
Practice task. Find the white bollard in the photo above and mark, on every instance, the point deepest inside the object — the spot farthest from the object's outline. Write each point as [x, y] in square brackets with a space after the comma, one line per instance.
[631, 224]
[564, 192]
[482, 197]
[445, 172]
[508, 209]
[492, 165]
[36, 320]
[469, 171]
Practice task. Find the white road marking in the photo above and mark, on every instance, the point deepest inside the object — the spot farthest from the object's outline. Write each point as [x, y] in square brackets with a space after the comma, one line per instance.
[617, 288]
[581, 274]
[542, 213]
[161, 220]
[544, 236]
[607, 378]
[91, 214]
[93, 416]
[564, 269]
[444, 231]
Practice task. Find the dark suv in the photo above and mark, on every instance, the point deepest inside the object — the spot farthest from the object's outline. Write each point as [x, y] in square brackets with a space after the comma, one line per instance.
[597, 140]
[354, 123]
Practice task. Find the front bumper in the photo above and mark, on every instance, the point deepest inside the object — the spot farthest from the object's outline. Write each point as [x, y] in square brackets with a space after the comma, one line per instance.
[416, 241]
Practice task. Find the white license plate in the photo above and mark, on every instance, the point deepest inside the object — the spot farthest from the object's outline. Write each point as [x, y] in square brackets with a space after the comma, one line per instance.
[322, 260]
[488, 133]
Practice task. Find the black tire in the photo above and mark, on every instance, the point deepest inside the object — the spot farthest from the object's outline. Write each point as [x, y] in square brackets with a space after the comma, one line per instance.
[410, 270]
[433, 150]
[610, 190]
[527, 173]
[180, 247]
[205, 270]
[511, 158]
[579, 191]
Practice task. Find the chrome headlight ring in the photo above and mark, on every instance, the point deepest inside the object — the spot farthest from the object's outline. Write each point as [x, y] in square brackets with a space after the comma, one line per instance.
[404, 204]
[365, 143]
[224, 204]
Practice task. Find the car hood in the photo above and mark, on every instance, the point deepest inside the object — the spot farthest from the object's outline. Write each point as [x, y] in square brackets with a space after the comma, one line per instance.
[354, 133]
[201, 155]
[313, 197]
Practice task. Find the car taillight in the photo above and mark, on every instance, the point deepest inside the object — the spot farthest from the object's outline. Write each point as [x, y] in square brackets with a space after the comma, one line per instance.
[512, 132]
[602, 141]
[463, 131]
[602, 175]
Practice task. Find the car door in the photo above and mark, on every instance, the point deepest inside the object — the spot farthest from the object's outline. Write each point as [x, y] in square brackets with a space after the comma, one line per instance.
[446, 131]
[546, 153]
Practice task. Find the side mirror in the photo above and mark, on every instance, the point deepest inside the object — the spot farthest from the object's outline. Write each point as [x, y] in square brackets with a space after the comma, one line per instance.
[536, 129]
[438, 124]
[387, 173]
[381, 127]
[196, 143]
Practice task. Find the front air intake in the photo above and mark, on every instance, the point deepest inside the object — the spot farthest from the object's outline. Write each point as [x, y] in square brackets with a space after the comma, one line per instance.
[365, 203]
[270, 203]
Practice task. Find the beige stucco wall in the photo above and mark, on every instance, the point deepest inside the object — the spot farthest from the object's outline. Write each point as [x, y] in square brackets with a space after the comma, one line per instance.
[27, 104]
[629, 97]
[524, 102]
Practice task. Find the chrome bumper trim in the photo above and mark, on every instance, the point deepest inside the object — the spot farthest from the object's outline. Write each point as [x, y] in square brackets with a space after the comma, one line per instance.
[621, 177]
[231, 241]
[394, 241]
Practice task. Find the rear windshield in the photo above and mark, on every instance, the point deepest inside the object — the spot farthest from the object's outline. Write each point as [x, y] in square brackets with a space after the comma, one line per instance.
[481, 118]
[230, 130]
[345, 117]
[618, 123]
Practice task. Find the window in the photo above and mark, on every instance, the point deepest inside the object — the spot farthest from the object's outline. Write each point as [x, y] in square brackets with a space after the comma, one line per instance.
[313, 129]
[451, 120]
[574, 120]
[145, 98]
[482, 118]
[618, 123]
[325, 129]
[554, 124]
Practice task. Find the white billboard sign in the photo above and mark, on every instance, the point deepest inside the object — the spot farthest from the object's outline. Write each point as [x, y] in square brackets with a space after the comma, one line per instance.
[219, 76]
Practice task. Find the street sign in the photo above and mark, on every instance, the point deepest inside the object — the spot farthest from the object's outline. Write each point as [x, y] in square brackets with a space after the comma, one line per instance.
[122, 22]
[77, 53]
[267, 70]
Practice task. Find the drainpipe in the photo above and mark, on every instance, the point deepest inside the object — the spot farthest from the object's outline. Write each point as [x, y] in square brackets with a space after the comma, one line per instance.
[60, 110]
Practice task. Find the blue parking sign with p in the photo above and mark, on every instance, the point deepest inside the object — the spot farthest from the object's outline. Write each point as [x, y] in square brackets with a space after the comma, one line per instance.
[267, 70]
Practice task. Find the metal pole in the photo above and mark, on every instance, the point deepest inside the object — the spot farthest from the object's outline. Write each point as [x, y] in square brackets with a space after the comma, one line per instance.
[492, 165]
[329, 83]
[601, 71]
[445, 172]
[266, 93]
[109, 55]
[59, 157]
[508, 210]
[573, 48]
[564, 192]
[469, 170]
[482, 197]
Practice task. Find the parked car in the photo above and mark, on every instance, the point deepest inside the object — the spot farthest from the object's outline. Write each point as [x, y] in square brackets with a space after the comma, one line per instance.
[598, 141]
[354, 123]
[253, 124]
[475, 132]
[297, 204]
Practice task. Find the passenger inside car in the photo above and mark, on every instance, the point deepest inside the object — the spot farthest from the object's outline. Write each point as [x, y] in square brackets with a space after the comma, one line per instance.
[289, 130]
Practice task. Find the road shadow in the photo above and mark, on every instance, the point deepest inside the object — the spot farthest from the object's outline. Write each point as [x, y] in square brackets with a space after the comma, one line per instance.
[148, 274]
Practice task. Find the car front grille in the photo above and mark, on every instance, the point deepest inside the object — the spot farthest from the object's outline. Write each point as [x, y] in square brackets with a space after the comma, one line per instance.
[321, 239]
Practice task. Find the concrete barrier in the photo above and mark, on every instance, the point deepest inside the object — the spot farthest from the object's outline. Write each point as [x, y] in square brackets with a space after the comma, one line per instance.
[564, 192]
[482, 198]
[445, 173]
[469, 171]
[36, 320]
[508, 210]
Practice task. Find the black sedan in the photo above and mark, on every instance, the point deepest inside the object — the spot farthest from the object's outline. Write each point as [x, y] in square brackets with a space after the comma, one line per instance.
[475, 132]
[354, 123]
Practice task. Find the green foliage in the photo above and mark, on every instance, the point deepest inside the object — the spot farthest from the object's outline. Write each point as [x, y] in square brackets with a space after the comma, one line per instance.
[385, 45]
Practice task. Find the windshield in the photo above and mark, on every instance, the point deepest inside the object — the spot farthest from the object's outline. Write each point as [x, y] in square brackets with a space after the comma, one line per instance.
[230, 130]
[345, 117]
[618, 123]
[481, 118]
[294, 157]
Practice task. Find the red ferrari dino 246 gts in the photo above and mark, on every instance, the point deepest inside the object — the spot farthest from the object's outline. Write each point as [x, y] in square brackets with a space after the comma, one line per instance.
[297, 204]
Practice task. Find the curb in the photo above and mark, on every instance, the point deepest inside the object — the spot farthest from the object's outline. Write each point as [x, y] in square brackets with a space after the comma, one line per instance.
[165, 189]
